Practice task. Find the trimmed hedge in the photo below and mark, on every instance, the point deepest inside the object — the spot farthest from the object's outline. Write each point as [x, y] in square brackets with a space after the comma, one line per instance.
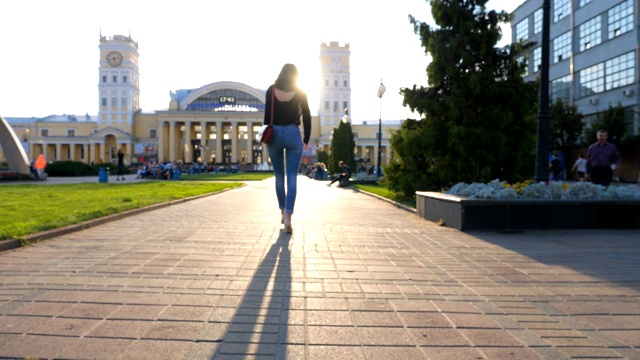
[70, 168]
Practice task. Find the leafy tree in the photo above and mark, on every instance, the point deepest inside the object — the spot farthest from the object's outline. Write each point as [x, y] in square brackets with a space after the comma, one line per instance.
[342, 146]
[477, 112]
[612, 120]
[566, 125]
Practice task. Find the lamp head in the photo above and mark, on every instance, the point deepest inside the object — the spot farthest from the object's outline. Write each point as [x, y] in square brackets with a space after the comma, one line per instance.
[381, 90]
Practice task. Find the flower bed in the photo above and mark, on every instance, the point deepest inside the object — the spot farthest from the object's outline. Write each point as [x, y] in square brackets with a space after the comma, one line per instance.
[528, 206]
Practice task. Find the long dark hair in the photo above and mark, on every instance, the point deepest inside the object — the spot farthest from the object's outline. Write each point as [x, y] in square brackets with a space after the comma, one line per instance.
[286, 81]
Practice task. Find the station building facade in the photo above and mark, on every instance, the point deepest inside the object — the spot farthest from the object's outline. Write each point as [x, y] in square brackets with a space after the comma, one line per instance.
[216, 123]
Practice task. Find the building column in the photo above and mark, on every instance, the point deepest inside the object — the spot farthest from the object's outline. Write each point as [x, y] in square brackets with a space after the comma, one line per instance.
[204, 136]
[58, 152]
[72, 152]
[92, 153]
[249, 142]
[32, 154]
[234, 142]
[130, 152]
[188, 154]
[172, 141]
[265, 154]
[219, 142]
[160, 145]
[374, 156]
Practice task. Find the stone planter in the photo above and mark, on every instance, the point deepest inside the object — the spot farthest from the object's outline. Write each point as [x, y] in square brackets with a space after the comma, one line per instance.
[512, 215]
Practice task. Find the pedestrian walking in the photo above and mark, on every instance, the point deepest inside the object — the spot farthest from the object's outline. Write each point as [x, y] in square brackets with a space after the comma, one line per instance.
[285, 105]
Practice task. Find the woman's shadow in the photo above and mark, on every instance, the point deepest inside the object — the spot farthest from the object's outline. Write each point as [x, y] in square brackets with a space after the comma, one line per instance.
[259, 325]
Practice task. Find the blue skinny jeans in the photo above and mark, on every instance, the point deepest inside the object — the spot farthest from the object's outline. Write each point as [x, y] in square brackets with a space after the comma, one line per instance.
[285, 151]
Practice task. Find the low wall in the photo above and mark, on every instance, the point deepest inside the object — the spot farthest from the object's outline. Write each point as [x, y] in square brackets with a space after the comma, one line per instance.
[506, 215]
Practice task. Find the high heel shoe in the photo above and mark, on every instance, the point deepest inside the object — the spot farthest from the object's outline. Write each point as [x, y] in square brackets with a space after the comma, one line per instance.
[287, 224]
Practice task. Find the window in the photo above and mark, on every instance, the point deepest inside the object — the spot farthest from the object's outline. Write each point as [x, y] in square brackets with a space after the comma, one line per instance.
[71, 132]
[335, 83]
[104, 78]
[561, 88]
[82, 152]
[561, 9]
[345, 107]
[124, 102]
[114, 101]
[620, 19]
[326, 105]
[590, 34]
[537, 59]
[345, 83]
[104, 101]
[44, 132]
[335, 107]
[620, 71]
[537, 21]
[326, 83]
[124, 79]
[584, 2]
[522, 30]
[153, 133]
[592, 80]
[562, 47]
[115, 78]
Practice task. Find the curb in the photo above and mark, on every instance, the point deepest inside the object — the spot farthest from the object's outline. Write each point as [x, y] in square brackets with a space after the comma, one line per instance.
[45, 235]
[397, 204]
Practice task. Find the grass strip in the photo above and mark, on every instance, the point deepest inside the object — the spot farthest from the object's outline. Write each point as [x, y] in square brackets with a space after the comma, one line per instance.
[385, 192]
[28, 209]
[256, 176]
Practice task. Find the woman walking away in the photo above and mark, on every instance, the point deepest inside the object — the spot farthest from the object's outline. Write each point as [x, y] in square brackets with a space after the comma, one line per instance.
[289, 104]
[120, 165]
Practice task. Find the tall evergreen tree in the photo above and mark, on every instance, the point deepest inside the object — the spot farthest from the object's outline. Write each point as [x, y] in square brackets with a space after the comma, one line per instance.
[477, 113]
[342, 146]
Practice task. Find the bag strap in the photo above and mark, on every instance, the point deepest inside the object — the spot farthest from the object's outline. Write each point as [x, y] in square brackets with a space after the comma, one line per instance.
[273, 90]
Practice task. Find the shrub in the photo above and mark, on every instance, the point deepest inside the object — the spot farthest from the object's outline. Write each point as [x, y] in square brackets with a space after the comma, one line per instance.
[70, 168]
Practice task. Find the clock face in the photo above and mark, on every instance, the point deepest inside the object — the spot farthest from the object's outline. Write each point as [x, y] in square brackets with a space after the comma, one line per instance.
[114, 58]
[335, 64]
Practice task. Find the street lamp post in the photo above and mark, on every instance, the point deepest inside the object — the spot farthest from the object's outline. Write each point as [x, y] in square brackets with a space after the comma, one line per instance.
[381, 91]
[542, 144]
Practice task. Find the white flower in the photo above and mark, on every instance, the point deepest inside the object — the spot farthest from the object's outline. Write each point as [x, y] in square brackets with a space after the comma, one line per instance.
[556, 190]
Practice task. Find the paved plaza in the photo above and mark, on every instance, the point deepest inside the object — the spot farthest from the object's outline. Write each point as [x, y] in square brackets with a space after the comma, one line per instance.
[359, 278]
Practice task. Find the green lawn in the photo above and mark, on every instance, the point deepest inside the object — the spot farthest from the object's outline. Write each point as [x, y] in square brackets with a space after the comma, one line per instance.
[227, 177]
[384, 192]
[27, 209]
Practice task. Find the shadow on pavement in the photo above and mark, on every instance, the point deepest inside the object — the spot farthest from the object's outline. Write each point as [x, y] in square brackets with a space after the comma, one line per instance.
[257, 324]
[580, 256]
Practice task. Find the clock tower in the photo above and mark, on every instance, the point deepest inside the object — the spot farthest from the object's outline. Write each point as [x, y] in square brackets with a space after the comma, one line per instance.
[119, 82]
[335, 87]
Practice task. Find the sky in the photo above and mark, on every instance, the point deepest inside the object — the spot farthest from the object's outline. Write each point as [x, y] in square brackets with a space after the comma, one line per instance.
[50, 57]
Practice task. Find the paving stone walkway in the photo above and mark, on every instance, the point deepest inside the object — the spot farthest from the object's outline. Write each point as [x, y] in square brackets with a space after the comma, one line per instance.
[359, 279]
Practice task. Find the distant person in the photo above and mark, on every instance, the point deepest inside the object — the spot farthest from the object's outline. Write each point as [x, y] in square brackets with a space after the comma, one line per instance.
[602, 158]
[346, 174]
[556, 168]
[581, 166]
[120, 165]
[41, 164]
[285, 105]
